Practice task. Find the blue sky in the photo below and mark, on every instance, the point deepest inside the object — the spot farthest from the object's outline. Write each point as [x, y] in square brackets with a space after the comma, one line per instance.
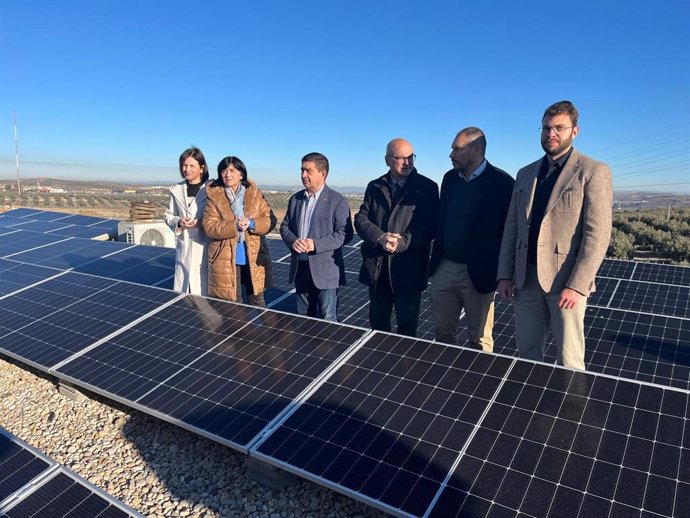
[115, 90]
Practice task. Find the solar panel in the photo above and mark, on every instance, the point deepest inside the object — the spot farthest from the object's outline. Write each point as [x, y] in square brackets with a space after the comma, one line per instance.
[355, 243]
[22, 212]
[46, 215]
[15, 276]
[616, 269]
[637, 346]
[19, 465]
[667, 274]
[606, 288]
[281, 287]
[562, 443]
[353, 259]
[9, 221]
[198, 364]
[350, 297]
[387, 426]
[61, 223]
[66, 495]
[648, 297]
[45, 324]
[80, 219]
[22, 240]
[227, 371]
[70, 253]
[109, 224]
[82, 232]
[359, 314]
[278, 249]
[148, 265]
[134, 363]
[40, 226]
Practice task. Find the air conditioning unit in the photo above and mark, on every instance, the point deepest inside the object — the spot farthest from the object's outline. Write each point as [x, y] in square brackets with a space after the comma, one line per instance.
[155, 233]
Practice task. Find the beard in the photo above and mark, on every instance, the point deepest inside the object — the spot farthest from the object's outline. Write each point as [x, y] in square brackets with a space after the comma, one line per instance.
[564, 144]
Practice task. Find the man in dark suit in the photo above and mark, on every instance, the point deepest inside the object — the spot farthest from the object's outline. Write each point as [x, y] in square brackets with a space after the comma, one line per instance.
[475, 197]
[396, 222]
[316, 226]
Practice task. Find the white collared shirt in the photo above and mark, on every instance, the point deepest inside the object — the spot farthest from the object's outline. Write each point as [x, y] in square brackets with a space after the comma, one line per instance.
[308, 212]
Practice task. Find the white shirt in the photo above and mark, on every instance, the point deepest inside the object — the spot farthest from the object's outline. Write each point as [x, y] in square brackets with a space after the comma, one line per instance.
[308, 212]
[475, 173]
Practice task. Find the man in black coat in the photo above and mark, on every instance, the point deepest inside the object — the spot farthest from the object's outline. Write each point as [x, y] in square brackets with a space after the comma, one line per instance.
[397, 221]
[475, 197]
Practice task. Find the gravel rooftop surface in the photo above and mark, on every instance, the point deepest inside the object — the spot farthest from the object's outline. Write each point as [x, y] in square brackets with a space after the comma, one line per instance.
[154, 467]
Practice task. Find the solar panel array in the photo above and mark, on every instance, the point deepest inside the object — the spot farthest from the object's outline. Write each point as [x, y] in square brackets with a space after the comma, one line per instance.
[409, 426]
[33, 485]
[418, 428]
[59, 223]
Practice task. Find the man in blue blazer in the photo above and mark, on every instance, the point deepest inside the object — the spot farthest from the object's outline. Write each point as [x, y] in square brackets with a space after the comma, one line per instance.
[316, 226]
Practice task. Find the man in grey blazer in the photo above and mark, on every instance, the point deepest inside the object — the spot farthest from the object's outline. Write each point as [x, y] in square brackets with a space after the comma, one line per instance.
[556, 235]
[317, 224]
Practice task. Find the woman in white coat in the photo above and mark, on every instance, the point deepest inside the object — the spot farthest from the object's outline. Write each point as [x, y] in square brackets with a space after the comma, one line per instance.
[183, 216]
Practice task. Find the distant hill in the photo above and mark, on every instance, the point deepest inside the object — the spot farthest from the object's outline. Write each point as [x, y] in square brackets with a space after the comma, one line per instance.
[622, 199]
[631, 200]
[91, 185]
[295, 188]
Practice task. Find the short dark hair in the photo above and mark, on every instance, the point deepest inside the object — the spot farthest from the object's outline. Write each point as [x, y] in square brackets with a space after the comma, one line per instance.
[317, 158]
[237, 164]
[563, 107]
[197, 155]
[479, 140]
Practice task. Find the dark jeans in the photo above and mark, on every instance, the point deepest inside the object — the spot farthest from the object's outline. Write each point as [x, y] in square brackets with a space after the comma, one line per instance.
[381, 304]
[244, 280]
[312, 301]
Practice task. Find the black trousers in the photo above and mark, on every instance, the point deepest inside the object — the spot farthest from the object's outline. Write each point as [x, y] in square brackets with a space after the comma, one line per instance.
[244, 280]
[381, 303]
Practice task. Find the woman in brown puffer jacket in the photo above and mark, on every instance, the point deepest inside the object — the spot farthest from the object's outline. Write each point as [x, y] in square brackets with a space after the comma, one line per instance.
[236, 218]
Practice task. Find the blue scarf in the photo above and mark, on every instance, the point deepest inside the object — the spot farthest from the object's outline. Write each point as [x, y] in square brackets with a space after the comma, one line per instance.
[236, 199]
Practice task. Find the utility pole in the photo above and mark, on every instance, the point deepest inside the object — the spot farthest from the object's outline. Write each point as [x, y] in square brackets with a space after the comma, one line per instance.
[16, 151]
[668, 214]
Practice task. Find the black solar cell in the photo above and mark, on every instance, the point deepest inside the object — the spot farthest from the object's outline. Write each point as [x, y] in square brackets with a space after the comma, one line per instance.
[22, 212]
[648, 297]
[49, 322]
[42, 215]
[389, 423]
[616, 269]
[148, 265]
[41, 226]
[662, 273]
[278, 250]
[558, 443]
[65, 495]
[79, 219]
[281, 286]
[18, 465]
[401, 419]
[14, 276]
[70, 253]
[83, 232]
[21, 241]
[197, 363]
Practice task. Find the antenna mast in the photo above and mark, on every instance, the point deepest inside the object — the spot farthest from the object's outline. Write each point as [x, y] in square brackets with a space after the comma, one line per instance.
[16, 151]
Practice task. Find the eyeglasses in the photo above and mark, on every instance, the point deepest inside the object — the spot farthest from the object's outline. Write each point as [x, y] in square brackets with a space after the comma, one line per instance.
[410, 158]
[558, 129]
